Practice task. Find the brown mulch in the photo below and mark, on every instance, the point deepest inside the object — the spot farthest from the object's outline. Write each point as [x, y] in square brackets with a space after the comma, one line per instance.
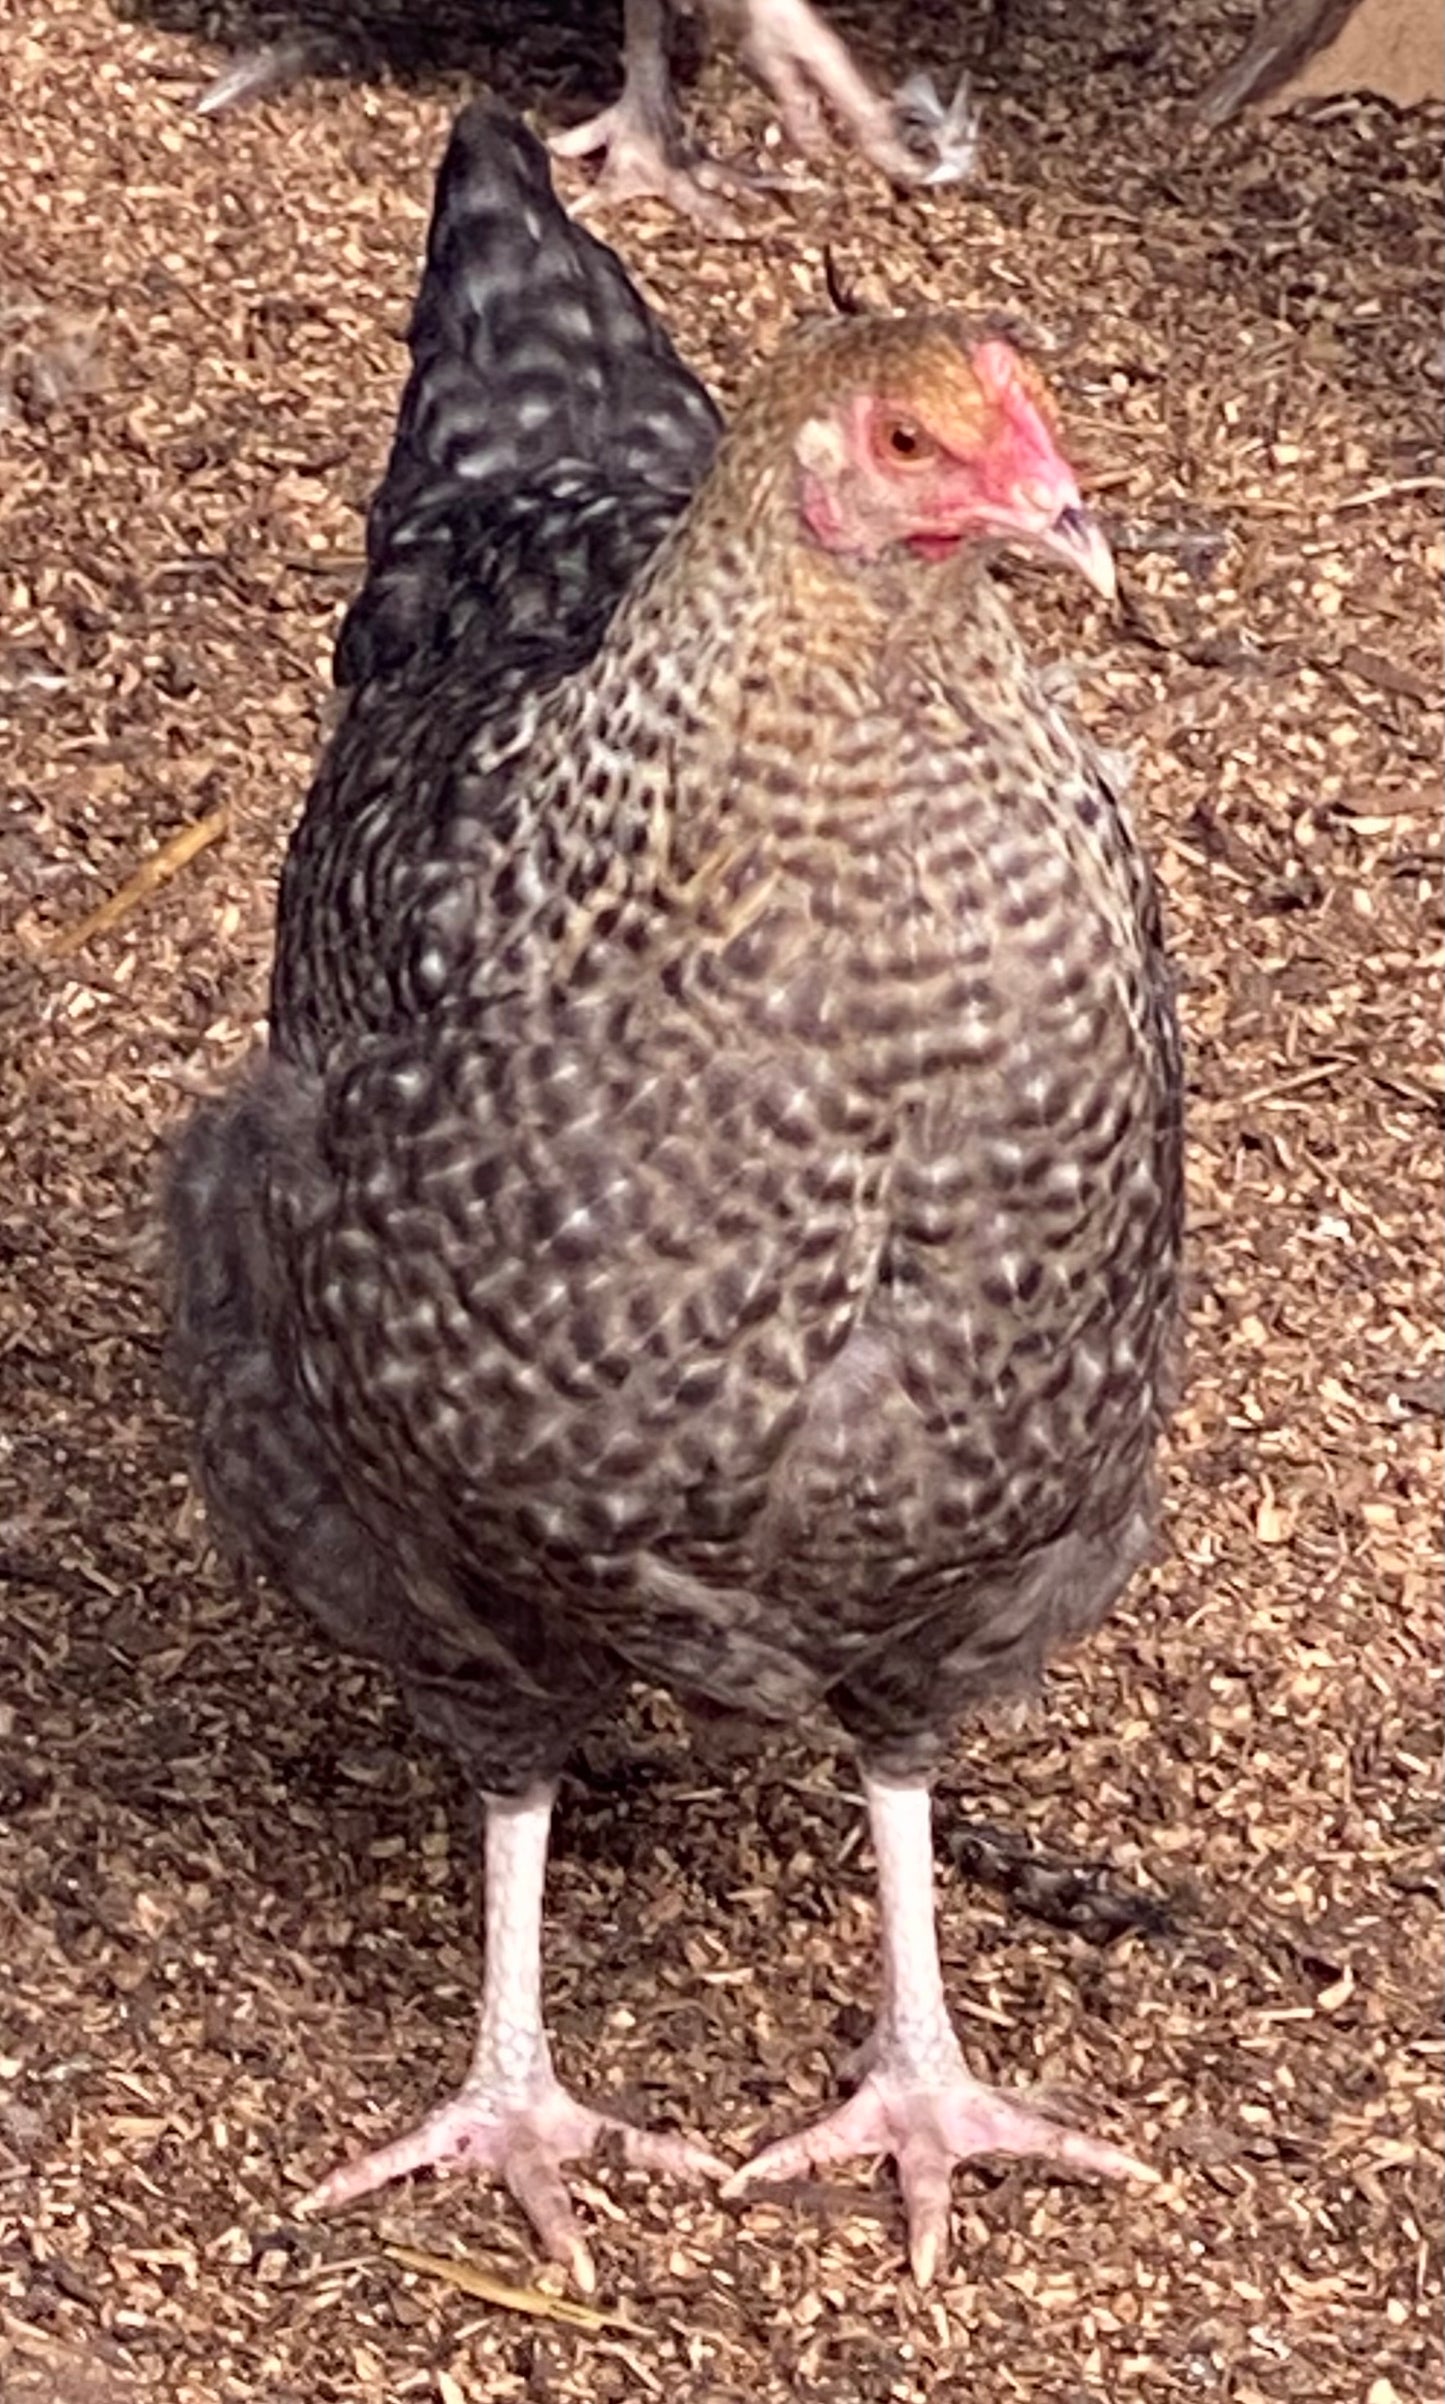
[237, 1896]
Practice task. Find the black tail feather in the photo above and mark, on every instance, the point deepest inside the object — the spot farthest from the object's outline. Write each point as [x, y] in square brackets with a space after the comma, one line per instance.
[544, 396]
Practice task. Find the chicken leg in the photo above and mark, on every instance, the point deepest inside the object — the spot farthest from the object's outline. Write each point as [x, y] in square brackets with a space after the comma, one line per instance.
[917, 2100]
[640, 138]
[786, 46]
[512, 2116]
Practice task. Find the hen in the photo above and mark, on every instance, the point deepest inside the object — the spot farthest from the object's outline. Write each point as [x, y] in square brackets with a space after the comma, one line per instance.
[708, 1209]
[784, 44]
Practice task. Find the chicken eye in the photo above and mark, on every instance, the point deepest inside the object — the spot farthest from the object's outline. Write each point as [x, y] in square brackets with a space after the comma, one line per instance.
[902, 442]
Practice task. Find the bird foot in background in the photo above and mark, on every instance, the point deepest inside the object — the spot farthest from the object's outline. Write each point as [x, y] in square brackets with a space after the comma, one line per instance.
[524, 2143]
[941, 142]
[812, 75]
[644, 161]
[928, 2128]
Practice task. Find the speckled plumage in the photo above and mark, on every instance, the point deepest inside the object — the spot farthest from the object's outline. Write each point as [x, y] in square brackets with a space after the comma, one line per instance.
[709, 1206]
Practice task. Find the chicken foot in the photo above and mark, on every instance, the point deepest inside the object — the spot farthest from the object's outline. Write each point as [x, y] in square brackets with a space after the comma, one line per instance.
[511, 2116]
[786, 47]
[917, 2100]
[644, 157]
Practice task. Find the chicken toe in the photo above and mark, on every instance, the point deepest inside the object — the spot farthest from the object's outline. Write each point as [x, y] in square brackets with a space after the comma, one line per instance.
[928, 2127]
[525, 2143]
[643, 160]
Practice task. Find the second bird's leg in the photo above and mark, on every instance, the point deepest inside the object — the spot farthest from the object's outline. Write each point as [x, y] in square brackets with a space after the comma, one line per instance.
[512, 2116]
[917, 2100]
[644, 157]
[786, 46]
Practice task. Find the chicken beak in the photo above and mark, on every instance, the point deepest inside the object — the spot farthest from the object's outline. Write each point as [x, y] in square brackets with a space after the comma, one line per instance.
[1076, 540]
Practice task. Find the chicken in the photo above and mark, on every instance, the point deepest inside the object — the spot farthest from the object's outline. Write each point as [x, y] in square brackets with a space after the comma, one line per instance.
[708, 1207]
[913, 138]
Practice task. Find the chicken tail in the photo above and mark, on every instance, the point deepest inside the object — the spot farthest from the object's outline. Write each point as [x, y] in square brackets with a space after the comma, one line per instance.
[547, 419]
